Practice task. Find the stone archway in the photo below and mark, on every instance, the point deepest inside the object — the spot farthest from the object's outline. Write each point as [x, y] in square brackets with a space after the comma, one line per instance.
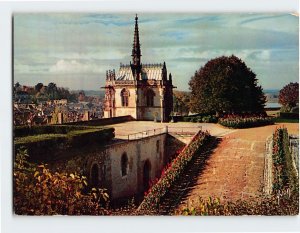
[146, 175]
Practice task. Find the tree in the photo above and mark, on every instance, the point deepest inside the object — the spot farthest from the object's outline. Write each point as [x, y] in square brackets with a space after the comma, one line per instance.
[38, 87]
[17, 86]
[181, 102]
[226, 85]
[289, 95]
[52, 90]
[81, 96]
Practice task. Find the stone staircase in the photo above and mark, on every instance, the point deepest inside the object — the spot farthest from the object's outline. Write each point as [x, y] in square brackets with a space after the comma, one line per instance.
[181, 187]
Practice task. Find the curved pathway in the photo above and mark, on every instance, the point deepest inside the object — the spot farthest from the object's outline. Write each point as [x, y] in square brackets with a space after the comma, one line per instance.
[235, 169]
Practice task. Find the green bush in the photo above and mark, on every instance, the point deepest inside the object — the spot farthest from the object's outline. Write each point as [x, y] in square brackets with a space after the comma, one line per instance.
[22, 131]
[289, 115]
[43, 147]
[295, 109]
[194, 119]
[200, 118]
[239, 122]
[90, 136]
[186, 119]
[284, 173]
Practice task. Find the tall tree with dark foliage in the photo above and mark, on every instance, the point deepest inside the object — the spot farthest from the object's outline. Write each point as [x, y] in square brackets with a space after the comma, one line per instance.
[226, 85]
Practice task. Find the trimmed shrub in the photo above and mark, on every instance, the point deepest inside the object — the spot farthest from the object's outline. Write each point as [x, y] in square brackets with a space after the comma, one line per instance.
[284, 175]
[186, 119]
[85, 137]
[22, 131]
[41, 146]
[295, 109]
[200, 118]
[289, 115]
[239, 122]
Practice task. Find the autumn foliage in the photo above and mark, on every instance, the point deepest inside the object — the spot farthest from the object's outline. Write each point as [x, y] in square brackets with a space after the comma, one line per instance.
[38, 191]
[289, 95]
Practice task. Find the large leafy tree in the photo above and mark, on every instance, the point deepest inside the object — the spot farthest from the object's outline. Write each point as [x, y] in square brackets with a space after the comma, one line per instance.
[52, 90]
[226, 85]
[289, 95]
[38, 87]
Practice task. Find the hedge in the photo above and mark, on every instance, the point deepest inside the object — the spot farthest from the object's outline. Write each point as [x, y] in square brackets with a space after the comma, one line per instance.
[22, 131]
[40, 146]
[289, 115]
[39, 138]
[284, 175]
[201, 119]
[80, 138]
[239, 122]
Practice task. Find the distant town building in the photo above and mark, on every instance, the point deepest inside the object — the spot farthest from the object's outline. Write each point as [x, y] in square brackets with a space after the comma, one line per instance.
[144, 91]
[62, 102]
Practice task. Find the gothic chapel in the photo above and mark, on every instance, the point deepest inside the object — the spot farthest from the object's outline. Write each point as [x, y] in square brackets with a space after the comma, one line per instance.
[143, 91]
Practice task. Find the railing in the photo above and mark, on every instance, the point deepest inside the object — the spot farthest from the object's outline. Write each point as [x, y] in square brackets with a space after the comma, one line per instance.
[167, 129]
[147, 133]
[184, 130]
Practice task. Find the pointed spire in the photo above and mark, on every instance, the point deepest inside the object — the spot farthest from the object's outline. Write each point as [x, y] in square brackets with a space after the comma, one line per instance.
[136, 50]
[170, 77]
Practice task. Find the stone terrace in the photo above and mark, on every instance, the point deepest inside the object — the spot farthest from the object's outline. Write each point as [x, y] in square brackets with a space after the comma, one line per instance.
[184, 128]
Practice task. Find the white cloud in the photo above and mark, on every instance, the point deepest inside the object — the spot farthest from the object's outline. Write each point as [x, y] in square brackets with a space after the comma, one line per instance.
[73, 66]
[59, 45]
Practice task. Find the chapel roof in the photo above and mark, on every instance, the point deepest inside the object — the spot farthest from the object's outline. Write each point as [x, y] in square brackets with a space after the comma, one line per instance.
[148, 71]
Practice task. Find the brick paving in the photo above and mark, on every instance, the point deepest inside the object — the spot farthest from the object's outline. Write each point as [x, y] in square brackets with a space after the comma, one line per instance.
[235, 168]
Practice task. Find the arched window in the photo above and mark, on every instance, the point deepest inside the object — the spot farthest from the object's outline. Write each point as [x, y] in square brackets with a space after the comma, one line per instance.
[150, 98]
[124, 164]
[124, 97]
[95, 175]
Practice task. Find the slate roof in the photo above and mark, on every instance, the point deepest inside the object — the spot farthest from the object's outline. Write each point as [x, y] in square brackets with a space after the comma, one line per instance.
[149, 71]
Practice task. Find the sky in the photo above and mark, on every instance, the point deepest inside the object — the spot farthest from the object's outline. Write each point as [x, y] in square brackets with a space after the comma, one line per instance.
[74, 50]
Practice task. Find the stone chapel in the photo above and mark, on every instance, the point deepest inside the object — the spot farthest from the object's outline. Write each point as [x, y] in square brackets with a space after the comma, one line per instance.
[143, 91]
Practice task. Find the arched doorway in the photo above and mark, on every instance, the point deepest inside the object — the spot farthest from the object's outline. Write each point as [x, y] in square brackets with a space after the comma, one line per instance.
[146, 175]
[95, 176]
